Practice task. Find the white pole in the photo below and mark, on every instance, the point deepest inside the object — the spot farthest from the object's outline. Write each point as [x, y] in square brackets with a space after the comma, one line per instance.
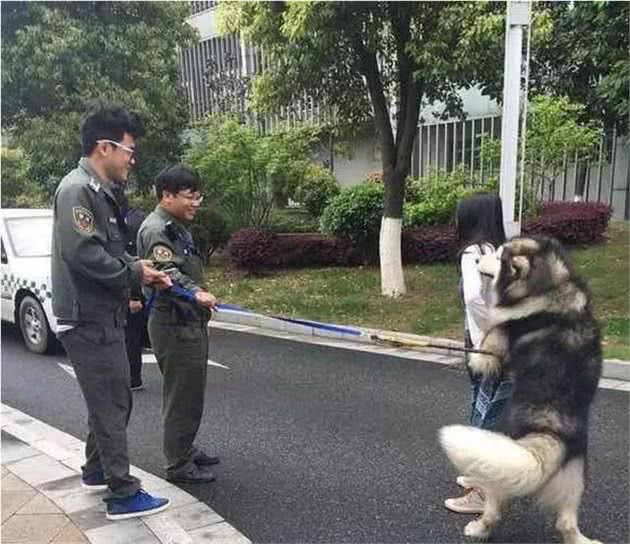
[517, 17]
[524, 123]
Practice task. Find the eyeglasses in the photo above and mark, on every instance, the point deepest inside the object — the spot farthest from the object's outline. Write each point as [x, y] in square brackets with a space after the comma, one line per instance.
[130, 150]
[192, 198]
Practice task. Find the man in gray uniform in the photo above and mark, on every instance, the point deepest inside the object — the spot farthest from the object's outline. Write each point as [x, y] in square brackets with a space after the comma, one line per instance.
[92, 277]
[178, 322]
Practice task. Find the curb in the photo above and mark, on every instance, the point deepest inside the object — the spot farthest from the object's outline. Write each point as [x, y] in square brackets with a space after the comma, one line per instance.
[49, 460]
[614, 369]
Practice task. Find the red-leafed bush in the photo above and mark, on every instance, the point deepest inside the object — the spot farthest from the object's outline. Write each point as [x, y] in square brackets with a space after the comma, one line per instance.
[572, 223]
[429, 245]
[252, 249]
[303, 250]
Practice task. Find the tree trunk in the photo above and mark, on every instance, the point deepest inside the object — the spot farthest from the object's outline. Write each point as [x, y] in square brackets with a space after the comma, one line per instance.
[580, 182]
[392, 278]
[396, 146]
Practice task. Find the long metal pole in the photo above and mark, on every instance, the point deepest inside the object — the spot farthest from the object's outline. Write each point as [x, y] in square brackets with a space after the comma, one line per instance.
[517, 18]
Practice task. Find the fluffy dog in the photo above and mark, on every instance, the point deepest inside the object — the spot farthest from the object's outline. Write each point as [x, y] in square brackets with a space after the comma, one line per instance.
[543, 331]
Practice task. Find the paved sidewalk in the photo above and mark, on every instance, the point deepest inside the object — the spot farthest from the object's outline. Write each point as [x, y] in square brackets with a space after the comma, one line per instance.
[43, 501]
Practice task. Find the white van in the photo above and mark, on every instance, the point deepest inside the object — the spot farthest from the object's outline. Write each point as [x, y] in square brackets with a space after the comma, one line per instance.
[26, 286]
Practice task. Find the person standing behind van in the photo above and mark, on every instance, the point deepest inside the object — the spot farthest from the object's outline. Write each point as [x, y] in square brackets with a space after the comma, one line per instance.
[136, 328]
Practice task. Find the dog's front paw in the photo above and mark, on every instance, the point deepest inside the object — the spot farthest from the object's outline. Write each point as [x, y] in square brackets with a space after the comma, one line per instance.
[477, 529]
[482, 363]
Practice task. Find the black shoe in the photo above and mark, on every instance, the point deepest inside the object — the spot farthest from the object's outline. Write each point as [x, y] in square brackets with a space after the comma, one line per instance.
[190, 475]
[137, 386]
[202, 459]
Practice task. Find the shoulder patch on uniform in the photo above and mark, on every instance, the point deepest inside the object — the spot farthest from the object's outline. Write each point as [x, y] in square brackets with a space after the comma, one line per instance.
[95, 185]
[83, 219]
[162, 253]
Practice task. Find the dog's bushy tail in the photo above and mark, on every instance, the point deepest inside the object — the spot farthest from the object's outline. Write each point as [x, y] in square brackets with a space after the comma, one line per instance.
[511, 468]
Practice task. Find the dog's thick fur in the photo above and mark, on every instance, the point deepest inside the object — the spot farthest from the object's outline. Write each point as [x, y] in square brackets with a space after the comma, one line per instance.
[543, 331]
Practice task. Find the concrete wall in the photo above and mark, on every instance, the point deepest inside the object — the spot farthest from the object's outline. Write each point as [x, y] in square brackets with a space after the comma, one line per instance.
[364, 159]
[205, 24]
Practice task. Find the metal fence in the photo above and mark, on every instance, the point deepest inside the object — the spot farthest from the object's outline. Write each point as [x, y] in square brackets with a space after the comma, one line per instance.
[215, 75]
[603, 178]
[197, 6]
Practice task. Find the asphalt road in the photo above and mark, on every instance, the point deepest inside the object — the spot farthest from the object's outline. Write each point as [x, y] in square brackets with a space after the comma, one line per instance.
[320, 444]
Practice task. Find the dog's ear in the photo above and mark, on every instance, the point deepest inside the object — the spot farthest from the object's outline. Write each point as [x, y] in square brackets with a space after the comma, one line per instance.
[520, 266]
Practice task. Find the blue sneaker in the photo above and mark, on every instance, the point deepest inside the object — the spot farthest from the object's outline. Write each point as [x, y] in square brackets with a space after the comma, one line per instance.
[134, 506]
[95, 481]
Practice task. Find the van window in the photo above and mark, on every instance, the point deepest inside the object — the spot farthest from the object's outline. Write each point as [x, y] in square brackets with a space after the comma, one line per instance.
[30, 236]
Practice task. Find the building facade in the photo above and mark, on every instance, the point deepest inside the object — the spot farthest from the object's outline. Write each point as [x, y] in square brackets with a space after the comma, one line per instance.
[214, 74]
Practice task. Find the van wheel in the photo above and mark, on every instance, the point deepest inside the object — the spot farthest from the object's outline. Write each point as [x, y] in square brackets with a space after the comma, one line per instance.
[34, 325]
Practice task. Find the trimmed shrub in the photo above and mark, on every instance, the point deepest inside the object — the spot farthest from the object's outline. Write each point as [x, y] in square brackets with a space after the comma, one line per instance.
[572, 223]
[252, 249]
[429, 245]
[311, 250]
[317, 189]
[356, 213]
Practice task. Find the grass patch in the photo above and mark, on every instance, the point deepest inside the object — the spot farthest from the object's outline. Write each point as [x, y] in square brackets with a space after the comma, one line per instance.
[351, 296]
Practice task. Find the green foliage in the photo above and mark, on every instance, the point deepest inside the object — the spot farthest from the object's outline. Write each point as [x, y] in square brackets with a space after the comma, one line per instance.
[553, 132]
[210, 231]
[290, 220]
[356, 213]
[326, 49]
[58, 57]
[586, 59]
[412, 187]
[316, 190]
[579, 50]
[244, 172]
[145, 201]
[18, 191]
[436, 199]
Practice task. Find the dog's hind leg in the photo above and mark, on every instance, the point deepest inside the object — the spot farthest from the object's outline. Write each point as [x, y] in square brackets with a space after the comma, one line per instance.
[563, 492]
[482, 527]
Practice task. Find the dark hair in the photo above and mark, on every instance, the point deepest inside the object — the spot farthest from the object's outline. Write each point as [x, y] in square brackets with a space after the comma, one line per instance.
[480, 220]
[108, 121]
[175, 178]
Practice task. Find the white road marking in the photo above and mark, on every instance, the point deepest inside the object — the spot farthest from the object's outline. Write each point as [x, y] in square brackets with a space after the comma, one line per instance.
[68, 369]
[150, 358]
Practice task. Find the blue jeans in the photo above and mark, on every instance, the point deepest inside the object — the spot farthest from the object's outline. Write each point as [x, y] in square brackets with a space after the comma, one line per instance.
[489, 397]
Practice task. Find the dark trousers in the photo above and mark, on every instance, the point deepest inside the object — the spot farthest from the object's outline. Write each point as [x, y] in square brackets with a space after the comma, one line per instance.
[134, 338]
[181, 351]
[99, 358]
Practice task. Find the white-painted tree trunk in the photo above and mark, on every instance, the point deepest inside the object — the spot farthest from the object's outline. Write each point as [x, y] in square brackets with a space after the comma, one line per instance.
[392, 279]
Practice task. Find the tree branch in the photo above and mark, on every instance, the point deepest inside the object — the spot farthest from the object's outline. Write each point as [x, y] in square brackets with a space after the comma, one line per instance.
[368, 66]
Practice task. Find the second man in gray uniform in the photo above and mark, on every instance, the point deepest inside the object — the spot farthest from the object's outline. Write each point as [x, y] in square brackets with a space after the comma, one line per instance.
[178, 321]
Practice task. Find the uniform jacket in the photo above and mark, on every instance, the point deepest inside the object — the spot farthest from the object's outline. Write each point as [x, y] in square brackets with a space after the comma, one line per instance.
[169, 244]
[92, 275]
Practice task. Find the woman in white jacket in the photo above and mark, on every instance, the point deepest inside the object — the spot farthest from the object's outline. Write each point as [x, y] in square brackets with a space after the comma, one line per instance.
[479, 222]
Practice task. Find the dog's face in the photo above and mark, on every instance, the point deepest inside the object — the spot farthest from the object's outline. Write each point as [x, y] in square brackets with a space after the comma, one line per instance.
[528, 267]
